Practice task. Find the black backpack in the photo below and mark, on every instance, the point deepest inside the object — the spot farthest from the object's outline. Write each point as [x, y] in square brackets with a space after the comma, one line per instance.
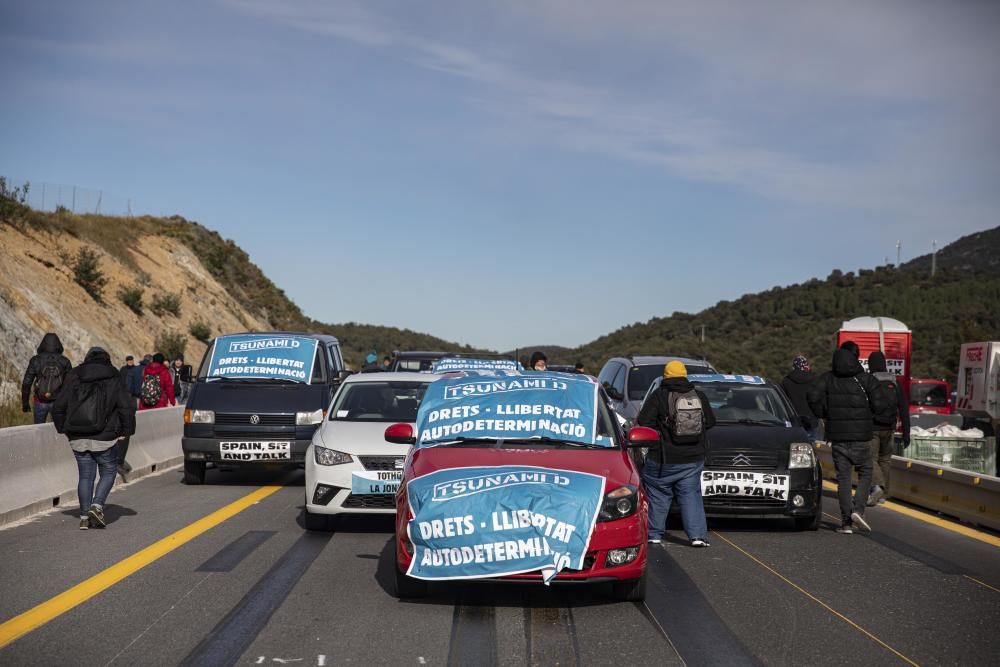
[87, 413]
[888, 382]
[50, 380]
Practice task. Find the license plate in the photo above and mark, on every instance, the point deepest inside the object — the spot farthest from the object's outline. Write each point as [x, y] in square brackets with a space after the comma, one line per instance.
[378, 482]
[739, 483]
[258, 450]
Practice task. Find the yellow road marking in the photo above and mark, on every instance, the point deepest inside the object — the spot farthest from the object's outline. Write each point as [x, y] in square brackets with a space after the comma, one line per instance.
[815, 599]
[41, 614]
[981, 583]
[933, 520]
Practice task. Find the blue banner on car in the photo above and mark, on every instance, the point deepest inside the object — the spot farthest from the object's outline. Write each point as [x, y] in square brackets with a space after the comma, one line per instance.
[457, 364]
[267, 356]
[493, 521]
[555, 406]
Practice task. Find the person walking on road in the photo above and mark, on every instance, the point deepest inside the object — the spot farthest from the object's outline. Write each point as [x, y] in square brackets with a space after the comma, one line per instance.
[178, 372]
[157, 389]
[127, 370]
[848, 398]
[796, 385]
[682, 416]
[884, 425]
[538, 361]
[94, 411]
[44, 378]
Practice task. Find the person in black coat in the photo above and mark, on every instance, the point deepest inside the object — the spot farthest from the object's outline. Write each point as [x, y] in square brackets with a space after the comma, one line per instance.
[884, 424]
[796, 385]
[847, 398]
[94, 411]
[46, 375]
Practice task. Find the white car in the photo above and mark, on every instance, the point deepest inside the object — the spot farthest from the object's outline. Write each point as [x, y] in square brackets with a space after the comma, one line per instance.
[350, 468]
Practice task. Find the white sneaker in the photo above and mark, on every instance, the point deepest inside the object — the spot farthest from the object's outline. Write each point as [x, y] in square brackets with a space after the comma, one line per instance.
[859, 520]
[700, 542]
[654, 540]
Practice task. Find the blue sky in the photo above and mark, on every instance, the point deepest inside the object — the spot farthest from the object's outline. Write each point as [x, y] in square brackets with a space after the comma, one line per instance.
[507, 174]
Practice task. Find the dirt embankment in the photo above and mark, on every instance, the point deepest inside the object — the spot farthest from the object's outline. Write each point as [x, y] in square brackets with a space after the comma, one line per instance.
[38, 294]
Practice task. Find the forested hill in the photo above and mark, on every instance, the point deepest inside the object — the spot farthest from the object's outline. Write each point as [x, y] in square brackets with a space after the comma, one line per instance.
[760, 333]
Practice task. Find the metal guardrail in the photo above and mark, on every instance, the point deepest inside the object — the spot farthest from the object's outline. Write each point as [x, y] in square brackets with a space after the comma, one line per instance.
[968, 496]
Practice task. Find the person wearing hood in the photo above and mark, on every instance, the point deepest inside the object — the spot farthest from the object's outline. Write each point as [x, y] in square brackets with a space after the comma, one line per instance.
[157, 388]
[848, 398]
[538, 361]
[94, 411]
[884, 424]
[44, 378]
[796, 385]
[673, 469]
[178, 372]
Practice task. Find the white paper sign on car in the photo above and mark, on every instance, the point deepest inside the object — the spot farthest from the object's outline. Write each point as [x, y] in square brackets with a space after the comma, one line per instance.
[744, 483]
[380, 482]
[255, 451]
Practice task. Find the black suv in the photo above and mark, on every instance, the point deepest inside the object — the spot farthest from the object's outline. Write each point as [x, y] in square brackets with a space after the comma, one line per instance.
[252, 403]
[415, 361]
[626, 379]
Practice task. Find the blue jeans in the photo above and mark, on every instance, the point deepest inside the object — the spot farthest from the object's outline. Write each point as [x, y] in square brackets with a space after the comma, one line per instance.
[88, 463]
[682, 480]
[40, 411]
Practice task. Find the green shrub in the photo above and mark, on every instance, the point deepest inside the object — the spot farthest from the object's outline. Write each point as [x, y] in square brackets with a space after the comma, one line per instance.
[88, 275]
[200, 331]
[13, 201]
[171, 344]
[166, 303]
[132, 297]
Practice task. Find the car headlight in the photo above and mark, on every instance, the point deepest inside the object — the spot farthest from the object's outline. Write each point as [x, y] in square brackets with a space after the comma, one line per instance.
[199, 416]
[618, 504]
[801, 455]
[330, 457]
[309, 418]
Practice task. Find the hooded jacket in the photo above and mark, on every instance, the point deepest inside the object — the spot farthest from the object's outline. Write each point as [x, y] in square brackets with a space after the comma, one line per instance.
[50, 351]
[166, 385]
[847, 397]
[898, 407]
[656, 411]
[796, 385]
[118, 405]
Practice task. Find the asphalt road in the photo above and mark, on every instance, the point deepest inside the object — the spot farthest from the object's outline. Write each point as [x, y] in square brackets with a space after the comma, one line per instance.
[257, 589]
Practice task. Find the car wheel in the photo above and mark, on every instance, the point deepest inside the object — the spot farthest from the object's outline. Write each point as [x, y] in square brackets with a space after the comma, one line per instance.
[807, 522]
[631, 590]
[194, 472]
[408, 587]
[317, 522]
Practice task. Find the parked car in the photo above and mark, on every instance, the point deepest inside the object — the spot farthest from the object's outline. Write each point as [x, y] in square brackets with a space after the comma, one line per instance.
[759, 461]
[350, 468]
[931, 397]
[257, 399]
[626, 379]
[593, 446]
[415, 361]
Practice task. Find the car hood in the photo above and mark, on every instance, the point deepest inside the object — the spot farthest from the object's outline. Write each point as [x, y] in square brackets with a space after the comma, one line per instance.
[613, 464]
[358, 438]
[744, 436]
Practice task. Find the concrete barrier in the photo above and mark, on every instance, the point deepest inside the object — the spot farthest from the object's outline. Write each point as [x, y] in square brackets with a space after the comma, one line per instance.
[38, 471]
[968, 496]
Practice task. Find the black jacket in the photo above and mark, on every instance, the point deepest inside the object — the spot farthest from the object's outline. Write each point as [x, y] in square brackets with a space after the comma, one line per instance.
[655, 413]
[49, 350]
[796, 385]
[899, 408]
[847, 397]
[119, 405]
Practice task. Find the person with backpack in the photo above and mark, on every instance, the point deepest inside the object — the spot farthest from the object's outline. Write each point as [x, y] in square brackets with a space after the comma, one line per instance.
[848, 398]
[796, 386]
[94, 411]
[682, 415]
[884, 425]
[157, 389]
[44, 378]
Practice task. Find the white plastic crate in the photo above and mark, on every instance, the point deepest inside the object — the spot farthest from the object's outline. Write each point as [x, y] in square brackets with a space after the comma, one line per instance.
[970, 454]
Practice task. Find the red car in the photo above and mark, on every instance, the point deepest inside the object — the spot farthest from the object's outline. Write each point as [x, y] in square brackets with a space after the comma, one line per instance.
[617, 548]
[931, 396]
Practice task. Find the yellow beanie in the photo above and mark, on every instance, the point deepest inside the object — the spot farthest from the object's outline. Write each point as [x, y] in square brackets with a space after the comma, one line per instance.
[675, 369]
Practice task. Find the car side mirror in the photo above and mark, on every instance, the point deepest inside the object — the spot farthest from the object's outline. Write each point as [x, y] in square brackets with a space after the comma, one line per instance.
[400, 434]
[643, 436]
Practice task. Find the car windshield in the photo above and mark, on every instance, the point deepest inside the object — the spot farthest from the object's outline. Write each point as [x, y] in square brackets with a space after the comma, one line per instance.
[378, 401]
[414, 365]
[641, 377]
[745, 404]
[928, 395]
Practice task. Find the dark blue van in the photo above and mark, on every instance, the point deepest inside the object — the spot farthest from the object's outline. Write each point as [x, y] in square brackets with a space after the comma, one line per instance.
[258, 398]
